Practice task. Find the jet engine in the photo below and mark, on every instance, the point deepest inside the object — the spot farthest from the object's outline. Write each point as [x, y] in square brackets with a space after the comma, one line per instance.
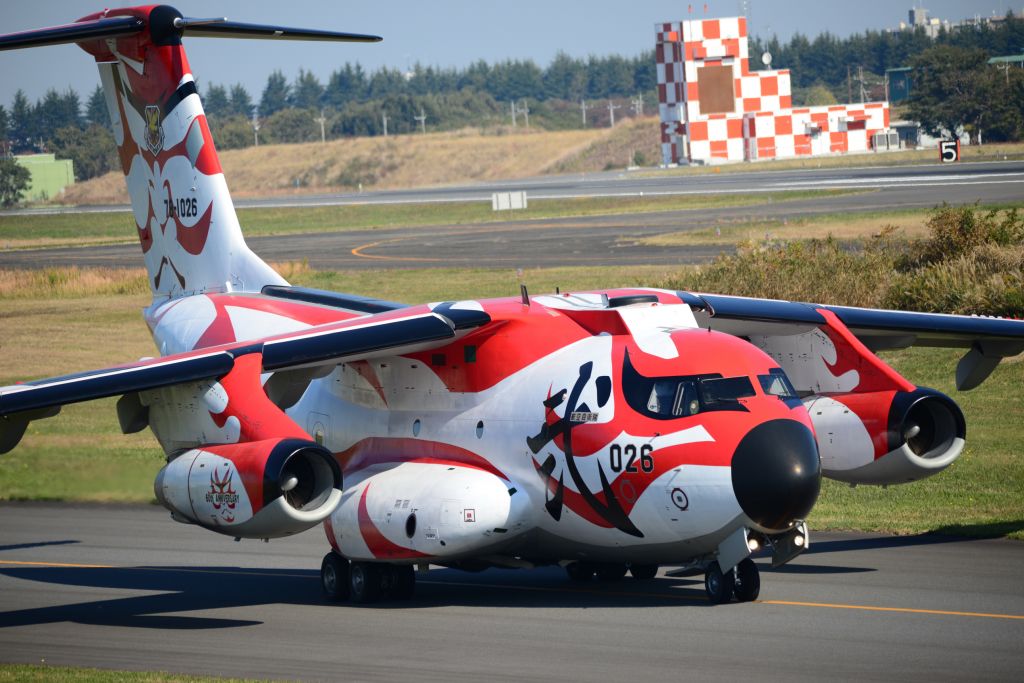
[258, 489]
[886, 437]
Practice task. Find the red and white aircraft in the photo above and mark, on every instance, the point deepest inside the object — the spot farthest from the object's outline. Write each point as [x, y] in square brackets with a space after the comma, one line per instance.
[603, 431]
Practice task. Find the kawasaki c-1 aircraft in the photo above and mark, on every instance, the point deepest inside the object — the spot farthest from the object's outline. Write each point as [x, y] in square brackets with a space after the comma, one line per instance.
[606, 432]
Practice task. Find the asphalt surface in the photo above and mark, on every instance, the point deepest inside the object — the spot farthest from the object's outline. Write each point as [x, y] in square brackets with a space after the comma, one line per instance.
[604, 240]
[126, 587]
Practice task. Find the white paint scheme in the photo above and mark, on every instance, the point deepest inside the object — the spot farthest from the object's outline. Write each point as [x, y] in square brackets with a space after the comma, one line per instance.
[225, 262]
[459, 511]
[843, 441]
[250, 323]
[805, 359]
[652, 324]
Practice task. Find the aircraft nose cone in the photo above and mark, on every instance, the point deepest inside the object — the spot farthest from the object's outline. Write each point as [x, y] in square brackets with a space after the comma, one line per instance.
[776, 473]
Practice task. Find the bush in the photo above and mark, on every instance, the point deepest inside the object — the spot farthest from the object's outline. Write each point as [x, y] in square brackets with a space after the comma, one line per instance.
[14, 179]
[972, 263]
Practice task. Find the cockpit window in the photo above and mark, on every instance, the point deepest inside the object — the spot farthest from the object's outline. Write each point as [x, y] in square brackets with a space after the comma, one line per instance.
[666, 398]
[775, 383]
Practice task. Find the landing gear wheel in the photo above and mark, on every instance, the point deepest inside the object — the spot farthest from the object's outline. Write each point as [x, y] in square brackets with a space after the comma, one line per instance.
[643, 572]
[334, 576]
[748, 581]
[364, 582]
[580, 571]
[611, 572]
[403, 581]
[718, 585]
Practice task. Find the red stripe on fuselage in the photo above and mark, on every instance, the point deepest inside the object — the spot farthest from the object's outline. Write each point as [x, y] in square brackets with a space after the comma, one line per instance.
[380, 546]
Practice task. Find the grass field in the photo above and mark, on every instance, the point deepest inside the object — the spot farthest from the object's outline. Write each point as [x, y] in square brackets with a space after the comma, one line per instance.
[22, 231]
[80, 455]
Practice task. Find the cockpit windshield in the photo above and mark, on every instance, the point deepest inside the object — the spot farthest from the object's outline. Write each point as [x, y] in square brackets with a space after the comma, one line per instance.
[666, 398]
[775, 383]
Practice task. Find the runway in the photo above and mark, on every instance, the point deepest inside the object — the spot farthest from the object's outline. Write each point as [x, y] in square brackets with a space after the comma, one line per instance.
[126, 587]
[600, 240]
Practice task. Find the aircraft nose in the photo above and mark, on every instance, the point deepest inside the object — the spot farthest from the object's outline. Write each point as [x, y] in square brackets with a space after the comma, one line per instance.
[776, 473]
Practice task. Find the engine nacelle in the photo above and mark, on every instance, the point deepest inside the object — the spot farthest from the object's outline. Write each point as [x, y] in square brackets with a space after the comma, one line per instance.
[259, 489]
[886, 437]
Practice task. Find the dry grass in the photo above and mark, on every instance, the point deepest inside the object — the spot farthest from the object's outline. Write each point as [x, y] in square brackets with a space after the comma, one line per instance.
[72, 282]
[909, 224]
[635, 141]
[399, 161]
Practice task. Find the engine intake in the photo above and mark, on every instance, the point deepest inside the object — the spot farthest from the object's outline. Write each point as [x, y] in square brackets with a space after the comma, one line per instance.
[886, 437]
[260, 489]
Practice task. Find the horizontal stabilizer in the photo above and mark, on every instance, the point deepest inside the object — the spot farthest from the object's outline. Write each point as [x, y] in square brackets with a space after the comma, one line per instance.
[237, 29]
[111, 27]
[166, 25]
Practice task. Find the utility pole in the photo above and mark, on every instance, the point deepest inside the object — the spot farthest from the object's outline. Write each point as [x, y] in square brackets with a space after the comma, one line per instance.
[513, 103]
[860, 79]
[322, 120]
[422, 119]
[638, 105]
[384, 118]
[611, 112]
[583, 108]
[849, 86]
[255, 129]
[525, 111]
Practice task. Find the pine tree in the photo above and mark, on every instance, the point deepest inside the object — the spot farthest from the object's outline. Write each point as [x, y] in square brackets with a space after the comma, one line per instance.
[275, 94]
[240, 101]
[96, 111]
[215, 101]
[307, 93]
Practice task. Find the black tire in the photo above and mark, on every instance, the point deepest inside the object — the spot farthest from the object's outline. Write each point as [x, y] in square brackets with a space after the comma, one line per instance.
[719, 586]
[580, 571]
[748, 581]
[364, 582]
[334, 577]
[611, 572]
[403, 581]
[643, 572]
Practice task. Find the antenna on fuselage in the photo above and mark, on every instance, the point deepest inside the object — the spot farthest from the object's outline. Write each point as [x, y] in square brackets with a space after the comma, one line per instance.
[524, 294]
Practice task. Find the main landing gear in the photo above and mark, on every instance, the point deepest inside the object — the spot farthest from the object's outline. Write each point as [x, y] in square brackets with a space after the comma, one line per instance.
[744, 582]
[365, 582]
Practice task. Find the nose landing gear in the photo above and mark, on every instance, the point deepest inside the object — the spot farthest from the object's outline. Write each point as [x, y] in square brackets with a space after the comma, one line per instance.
[744, 582]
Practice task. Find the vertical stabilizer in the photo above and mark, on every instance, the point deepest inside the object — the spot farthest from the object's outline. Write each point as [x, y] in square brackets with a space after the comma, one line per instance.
[183, 212]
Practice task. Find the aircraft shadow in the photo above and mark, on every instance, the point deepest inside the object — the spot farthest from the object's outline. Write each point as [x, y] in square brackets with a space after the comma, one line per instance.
[882, 542]
[41, 544]
[186, 594]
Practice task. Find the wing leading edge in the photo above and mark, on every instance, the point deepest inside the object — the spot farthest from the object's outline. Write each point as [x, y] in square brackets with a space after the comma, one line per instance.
[325, 345]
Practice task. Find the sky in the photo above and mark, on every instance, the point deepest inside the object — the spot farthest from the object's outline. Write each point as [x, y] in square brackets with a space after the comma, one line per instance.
[446, 33]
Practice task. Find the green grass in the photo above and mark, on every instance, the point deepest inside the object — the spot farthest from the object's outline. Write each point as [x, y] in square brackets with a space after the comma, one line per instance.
[85, 229]
[42, 673]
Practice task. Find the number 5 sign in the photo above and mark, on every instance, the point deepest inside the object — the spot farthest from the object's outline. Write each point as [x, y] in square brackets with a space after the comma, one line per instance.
[949, 151]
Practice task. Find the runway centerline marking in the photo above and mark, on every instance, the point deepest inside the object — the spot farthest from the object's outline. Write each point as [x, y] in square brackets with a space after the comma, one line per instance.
[540, 589]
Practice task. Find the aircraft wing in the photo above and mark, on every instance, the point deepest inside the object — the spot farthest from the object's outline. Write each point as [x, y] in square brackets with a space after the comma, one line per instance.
[323, 345]
[988, 339]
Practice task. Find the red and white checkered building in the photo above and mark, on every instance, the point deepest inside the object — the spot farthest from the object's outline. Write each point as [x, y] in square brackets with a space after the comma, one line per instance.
[714, 109]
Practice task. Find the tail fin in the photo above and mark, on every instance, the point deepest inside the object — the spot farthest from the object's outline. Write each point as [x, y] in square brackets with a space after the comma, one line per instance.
[186, 220]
